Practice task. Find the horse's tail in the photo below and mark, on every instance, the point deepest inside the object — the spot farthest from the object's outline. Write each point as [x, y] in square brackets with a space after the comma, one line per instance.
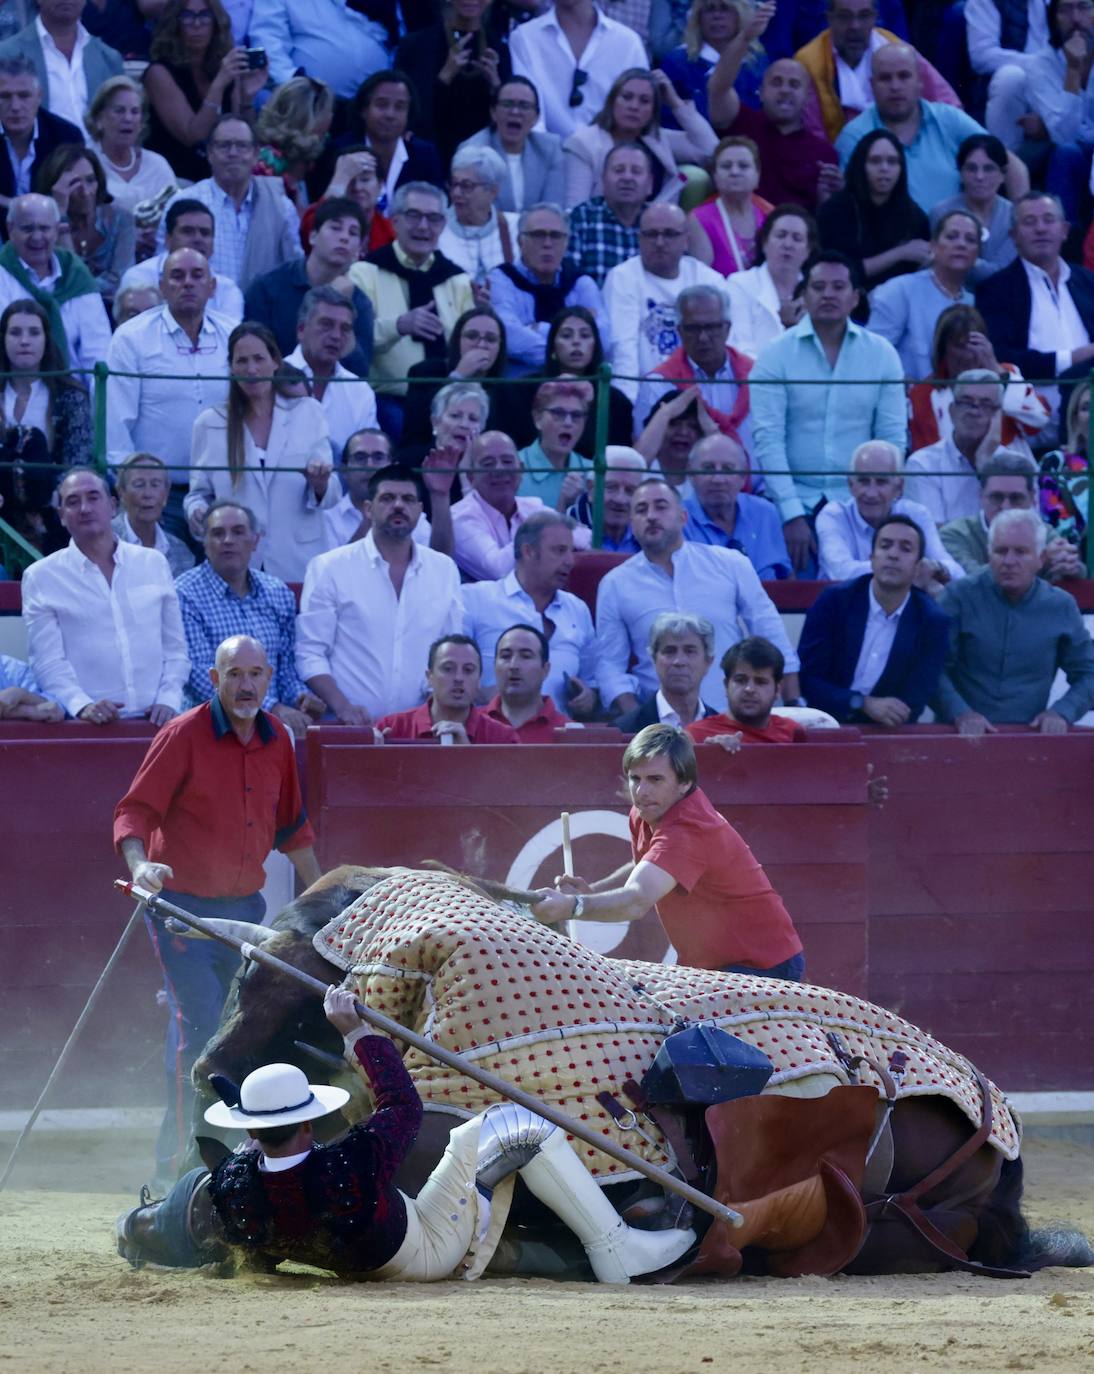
[1005, 1239]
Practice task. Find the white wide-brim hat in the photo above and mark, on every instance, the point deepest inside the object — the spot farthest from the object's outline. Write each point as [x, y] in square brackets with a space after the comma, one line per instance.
[276, 1095]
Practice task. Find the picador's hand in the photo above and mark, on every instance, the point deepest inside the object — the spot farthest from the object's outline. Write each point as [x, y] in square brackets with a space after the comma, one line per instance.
[341, 1009]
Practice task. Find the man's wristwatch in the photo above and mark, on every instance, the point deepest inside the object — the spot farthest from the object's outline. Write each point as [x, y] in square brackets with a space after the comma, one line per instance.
[579, 906]
[856, 701]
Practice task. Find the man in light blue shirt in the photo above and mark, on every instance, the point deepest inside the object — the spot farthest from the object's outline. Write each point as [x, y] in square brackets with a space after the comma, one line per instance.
[672, 574]
[330, 39]
[722, 513]
[930, 132]
[804, 427]
[534, 594]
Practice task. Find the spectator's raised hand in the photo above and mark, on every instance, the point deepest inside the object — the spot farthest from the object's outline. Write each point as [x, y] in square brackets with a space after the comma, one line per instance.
[829, 180]
[458, 59]
[196, 519]
[317, 475]
[757, 24]
[991, 440]
[1062, 561]
[439, 471]
[348, 166]
[487, 64]
[573, 484]
[981, 351]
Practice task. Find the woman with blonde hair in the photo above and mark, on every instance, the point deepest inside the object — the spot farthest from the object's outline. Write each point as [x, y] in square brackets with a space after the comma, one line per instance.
[632, 114]
[723, 232]
[713, 29]
[117, 120]
[292, 132]
[269, 452]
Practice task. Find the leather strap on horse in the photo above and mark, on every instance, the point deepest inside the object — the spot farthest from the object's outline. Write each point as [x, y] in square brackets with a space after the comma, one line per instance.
[906, 1204]
[671, 1127]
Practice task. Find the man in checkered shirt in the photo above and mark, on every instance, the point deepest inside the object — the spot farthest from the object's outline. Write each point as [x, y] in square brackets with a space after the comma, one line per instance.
[604, 229]
[224, 597]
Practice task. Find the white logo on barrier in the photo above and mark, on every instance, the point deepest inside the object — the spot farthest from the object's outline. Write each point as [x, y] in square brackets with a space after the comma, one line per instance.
[602, 936]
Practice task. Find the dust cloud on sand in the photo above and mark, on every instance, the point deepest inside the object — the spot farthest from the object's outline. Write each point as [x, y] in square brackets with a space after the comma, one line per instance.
[68, 1303]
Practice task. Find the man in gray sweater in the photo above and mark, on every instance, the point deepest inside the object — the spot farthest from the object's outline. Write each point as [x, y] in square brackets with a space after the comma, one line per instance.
[1011, 632]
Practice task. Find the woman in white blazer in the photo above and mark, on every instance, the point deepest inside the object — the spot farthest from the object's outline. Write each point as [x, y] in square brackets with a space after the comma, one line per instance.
[762, 300]
[269, 452]
[632, 114]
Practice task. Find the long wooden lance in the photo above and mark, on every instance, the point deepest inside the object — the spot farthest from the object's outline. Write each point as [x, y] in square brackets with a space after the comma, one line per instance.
[159, 906]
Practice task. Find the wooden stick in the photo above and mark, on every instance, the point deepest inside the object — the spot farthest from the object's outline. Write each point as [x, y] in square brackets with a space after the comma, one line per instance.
[159, 907]
[567, 847]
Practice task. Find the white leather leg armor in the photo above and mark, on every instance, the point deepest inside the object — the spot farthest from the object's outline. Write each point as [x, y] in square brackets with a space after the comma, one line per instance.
[513, 1138]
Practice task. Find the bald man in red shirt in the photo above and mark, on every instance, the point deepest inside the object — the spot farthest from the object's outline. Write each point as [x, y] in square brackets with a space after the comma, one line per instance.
[713, 898]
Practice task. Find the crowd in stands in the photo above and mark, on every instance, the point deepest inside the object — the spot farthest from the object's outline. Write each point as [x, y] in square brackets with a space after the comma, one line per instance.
[377, 282]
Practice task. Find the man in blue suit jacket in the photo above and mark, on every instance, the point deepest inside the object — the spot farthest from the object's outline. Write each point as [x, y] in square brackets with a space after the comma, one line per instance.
[872, 649]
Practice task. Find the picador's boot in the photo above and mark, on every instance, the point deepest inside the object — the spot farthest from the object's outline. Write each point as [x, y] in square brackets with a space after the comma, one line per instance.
[513, 1138]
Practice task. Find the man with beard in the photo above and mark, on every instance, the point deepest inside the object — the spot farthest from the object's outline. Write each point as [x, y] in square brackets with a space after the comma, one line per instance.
[753, 670]
[671, 574]
[872, 649]
[522, 661]
[218, 789]
[449, 714]
[370, 609]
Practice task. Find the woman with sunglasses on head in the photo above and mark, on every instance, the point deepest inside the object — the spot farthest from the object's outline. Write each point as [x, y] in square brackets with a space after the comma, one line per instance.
[197, 73]
[632, 114]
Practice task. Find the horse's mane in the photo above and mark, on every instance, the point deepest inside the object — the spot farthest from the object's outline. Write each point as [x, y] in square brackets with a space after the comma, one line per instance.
[485, 887]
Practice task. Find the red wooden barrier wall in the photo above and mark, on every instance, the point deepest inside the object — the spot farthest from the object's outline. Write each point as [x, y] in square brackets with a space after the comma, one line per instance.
[963, 903]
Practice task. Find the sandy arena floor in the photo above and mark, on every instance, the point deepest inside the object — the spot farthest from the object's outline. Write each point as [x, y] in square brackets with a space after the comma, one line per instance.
[68, 1303]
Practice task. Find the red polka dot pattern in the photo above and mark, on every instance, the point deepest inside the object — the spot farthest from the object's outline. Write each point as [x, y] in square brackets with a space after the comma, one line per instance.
[564, 1023]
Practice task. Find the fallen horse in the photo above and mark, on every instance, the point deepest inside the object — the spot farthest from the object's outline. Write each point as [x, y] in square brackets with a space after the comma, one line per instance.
[871, 1148]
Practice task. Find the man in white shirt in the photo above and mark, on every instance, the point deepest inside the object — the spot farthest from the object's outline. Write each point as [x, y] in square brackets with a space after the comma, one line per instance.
[103, 626]
[152, 411]
[190, 224]
[36, 264]
[845, 529]
[534, 593]
[1004, 37]
[364, 453]
[640, 295]
[573, 54]
[671, 574]
[71, 64]
[682, 651]
[325, 329]
[942, 476]
[370, 610]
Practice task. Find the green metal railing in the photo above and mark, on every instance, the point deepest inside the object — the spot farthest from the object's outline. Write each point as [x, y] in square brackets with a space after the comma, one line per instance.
[1071, 484]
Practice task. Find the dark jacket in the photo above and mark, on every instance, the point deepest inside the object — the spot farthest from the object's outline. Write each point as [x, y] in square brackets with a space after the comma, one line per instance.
[831, 641]
[1006, 303]
[52, 131]
[646, 714]
[274, 300]
[447, 113]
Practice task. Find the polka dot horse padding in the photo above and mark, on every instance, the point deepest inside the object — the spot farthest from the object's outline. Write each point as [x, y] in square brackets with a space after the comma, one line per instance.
[564, 1023]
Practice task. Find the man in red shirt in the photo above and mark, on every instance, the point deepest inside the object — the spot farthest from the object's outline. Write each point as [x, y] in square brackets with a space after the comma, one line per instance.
[522, 661]
[753, 670]
[217, 790]
[714, 900]
[449, 714]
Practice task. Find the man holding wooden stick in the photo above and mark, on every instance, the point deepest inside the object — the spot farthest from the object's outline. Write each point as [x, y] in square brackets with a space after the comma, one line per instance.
[713, 898]
[336, 1206]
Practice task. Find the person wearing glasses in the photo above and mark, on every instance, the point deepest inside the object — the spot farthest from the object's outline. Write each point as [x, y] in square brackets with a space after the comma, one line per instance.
[417, 295]
[478, 236]
[573, 53]
[528, 294]
[943, 476]
[532, 157]
[640, 295]
[257, 227]
[552, 470]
